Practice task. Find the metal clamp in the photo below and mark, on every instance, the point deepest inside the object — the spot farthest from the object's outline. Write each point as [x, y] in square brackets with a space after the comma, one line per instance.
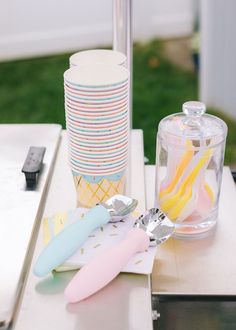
[33, 164]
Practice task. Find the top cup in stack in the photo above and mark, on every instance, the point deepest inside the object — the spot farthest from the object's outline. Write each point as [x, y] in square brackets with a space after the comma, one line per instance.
[97, 119]
[97, 56]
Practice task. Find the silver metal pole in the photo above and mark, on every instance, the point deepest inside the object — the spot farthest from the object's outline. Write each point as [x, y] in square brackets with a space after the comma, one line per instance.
[122, 36]
[122, 42]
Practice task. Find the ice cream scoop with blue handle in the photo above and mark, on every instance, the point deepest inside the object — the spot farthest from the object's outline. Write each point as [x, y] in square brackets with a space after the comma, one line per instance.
[66, 243]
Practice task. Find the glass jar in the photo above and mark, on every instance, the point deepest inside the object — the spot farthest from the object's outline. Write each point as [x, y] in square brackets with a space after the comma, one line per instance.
[189, 165]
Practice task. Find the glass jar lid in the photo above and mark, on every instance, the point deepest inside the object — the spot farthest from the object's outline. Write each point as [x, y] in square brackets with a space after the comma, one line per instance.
[193, 124]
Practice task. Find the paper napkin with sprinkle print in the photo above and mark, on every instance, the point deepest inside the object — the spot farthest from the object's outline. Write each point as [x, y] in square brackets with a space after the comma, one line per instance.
[98, 241]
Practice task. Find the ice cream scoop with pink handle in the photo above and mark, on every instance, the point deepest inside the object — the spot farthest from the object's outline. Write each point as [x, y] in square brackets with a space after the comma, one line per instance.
[152, 227]
[101, 270]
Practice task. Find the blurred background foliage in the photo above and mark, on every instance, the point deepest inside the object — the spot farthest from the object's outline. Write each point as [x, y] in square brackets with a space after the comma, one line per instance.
[31, 91]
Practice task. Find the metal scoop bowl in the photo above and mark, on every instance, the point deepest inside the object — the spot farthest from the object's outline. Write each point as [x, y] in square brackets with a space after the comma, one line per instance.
[156, 225]
[119, 207]
[62, 246]
[151, 228]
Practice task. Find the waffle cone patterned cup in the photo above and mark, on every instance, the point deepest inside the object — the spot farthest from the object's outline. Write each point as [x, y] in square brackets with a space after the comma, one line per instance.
[97, 120]
[93, 190]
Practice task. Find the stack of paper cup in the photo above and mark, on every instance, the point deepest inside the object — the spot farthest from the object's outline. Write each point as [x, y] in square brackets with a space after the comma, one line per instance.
[98, 56]
[97, 104]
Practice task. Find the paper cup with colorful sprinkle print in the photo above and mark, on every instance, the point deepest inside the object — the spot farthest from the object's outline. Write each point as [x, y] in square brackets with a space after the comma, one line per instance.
[97, 56]
[97, 120]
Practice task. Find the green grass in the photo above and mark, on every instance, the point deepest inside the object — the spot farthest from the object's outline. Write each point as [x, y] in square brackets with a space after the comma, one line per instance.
[160, 88]
[31, 91]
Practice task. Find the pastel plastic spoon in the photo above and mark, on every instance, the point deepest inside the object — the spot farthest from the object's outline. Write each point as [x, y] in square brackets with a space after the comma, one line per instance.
[172, 163]
[62, 246]
[174, 205]
[180, 178]
[205, 199]
[187, 156]
[202, 199]
[153, 227]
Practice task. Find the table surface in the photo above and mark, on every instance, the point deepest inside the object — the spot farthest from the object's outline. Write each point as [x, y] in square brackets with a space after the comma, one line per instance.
[181, 267]
[123, 304]
[20, 206]
[198, 267]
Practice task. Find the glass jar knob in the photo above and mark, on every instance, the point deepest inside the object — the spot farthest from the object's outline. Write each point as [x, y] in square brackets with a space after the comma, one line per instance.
[194, 109]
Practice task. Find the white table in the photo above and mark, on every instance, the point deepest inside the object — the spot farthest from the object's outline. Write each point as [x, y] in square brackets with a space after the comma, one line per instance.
[182, 267]
[198, 267]
[124, 304]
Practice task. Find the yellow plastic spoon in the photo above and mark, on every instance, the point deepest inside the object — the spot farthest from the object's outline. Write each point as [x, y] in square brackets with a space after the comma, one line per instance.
[174, 205]
[188, 155]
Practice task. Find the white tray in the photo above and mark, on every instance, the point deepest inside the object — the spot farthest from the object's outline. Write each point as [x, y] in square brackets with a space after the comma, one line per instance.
[200, 267]
[124, 304]
[20, 208]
